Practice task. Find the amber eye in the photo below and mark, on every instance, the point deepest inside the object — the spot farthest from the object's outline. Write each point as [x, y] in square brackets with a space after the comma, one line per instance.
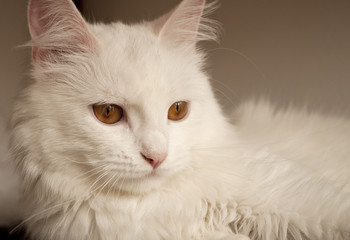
[178, 111]
[108, 113]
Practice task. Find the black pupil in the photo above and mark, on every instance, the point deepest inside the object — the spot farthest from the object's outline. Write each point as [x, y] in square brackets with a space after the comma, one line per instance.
[177, 107]
[108, 110]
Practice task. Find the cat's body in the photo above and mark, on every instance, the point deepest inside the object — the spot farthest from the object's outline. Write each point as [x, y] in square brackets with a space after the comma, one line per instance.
[263, 177]
[242, 185]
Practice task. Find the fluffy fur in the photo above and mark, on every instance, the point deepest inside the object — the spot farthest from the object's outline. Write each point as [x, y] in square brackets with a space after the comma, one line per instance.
[10, 191]
[268, 176]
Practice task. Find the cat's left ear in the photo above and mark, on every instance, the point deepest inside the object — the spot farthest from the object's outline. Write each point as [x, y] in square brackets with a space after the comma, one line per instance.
[185, 24]
[56, 28]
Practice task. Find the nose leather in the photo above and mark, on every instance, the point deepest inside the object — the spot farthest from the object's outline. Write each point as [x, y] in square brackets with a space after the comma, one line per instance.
[154, 159]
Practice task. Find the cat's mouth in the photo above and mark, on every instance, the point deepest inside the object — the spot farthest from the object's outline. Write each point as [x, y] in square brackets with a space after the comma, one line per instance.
[143, 183]
[154, 173]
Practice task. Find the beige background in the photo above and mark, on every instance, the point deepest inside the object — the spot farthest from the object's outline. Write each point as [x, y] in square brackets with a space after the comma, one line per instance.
[292, 51]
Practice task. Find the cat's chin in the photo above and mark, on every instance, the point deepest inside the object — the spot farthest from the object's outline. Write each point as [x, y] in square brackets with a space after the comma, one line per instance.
[140, 187]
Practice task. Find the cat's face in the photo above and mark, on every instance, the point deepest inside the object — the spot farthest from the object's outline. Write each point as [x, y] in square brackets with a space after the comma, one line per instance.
[142, 77]
[145, 79]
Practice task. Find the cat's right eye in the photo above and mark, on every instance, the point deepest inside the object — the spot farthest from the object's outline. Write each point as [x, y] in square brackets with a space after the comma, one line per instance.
[108, 113]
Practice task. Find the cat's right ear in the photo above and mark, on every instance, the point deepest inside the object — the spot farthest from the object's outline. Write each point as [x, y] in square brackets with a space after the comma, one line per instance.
[57, 28]
[186, 24]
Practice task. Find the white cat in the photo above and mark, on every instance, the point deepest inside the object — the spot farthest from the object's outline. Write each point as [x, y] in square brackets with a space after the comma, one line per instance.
[120, 137]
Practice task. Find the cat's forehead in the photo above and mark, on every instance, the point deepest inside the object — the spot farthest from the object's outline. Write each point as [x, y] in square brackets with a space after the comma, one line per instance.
[135, 64]
[125, 41]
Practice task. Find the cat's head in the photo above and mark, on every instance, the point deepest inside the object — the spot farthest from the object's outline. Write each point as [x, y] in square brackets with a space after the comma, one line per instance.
[124, 105]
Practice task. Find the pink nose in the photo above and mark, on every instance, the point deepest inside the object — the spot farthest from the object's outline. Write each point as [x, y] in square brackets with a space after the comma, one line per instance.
[154, 159]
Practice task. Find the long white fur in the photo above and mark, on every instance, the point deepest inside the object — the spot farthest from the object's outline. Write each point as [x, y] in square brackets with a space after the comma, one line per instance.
[10, 190]
[268, 176]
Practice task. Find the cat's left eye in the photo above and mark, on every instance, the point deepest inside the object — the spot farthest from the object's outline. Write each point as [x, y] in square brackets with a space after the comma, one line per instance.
[108, 113]
[178, 111]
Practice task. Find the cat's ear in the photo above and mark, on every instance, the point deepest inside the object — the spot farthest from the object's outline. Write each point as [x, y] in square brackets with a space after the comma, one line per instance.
[186, 24]
[57, 28]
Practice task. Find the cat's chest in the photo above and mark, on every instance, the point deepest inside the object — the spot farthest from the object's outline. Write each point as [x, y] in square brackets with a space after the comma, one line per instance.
[150, 218]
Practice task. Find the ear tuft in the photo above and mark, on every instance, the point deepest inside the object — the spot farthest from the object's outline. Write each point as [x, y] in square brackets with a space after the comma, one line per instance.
[56, 27]
[187, 24]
